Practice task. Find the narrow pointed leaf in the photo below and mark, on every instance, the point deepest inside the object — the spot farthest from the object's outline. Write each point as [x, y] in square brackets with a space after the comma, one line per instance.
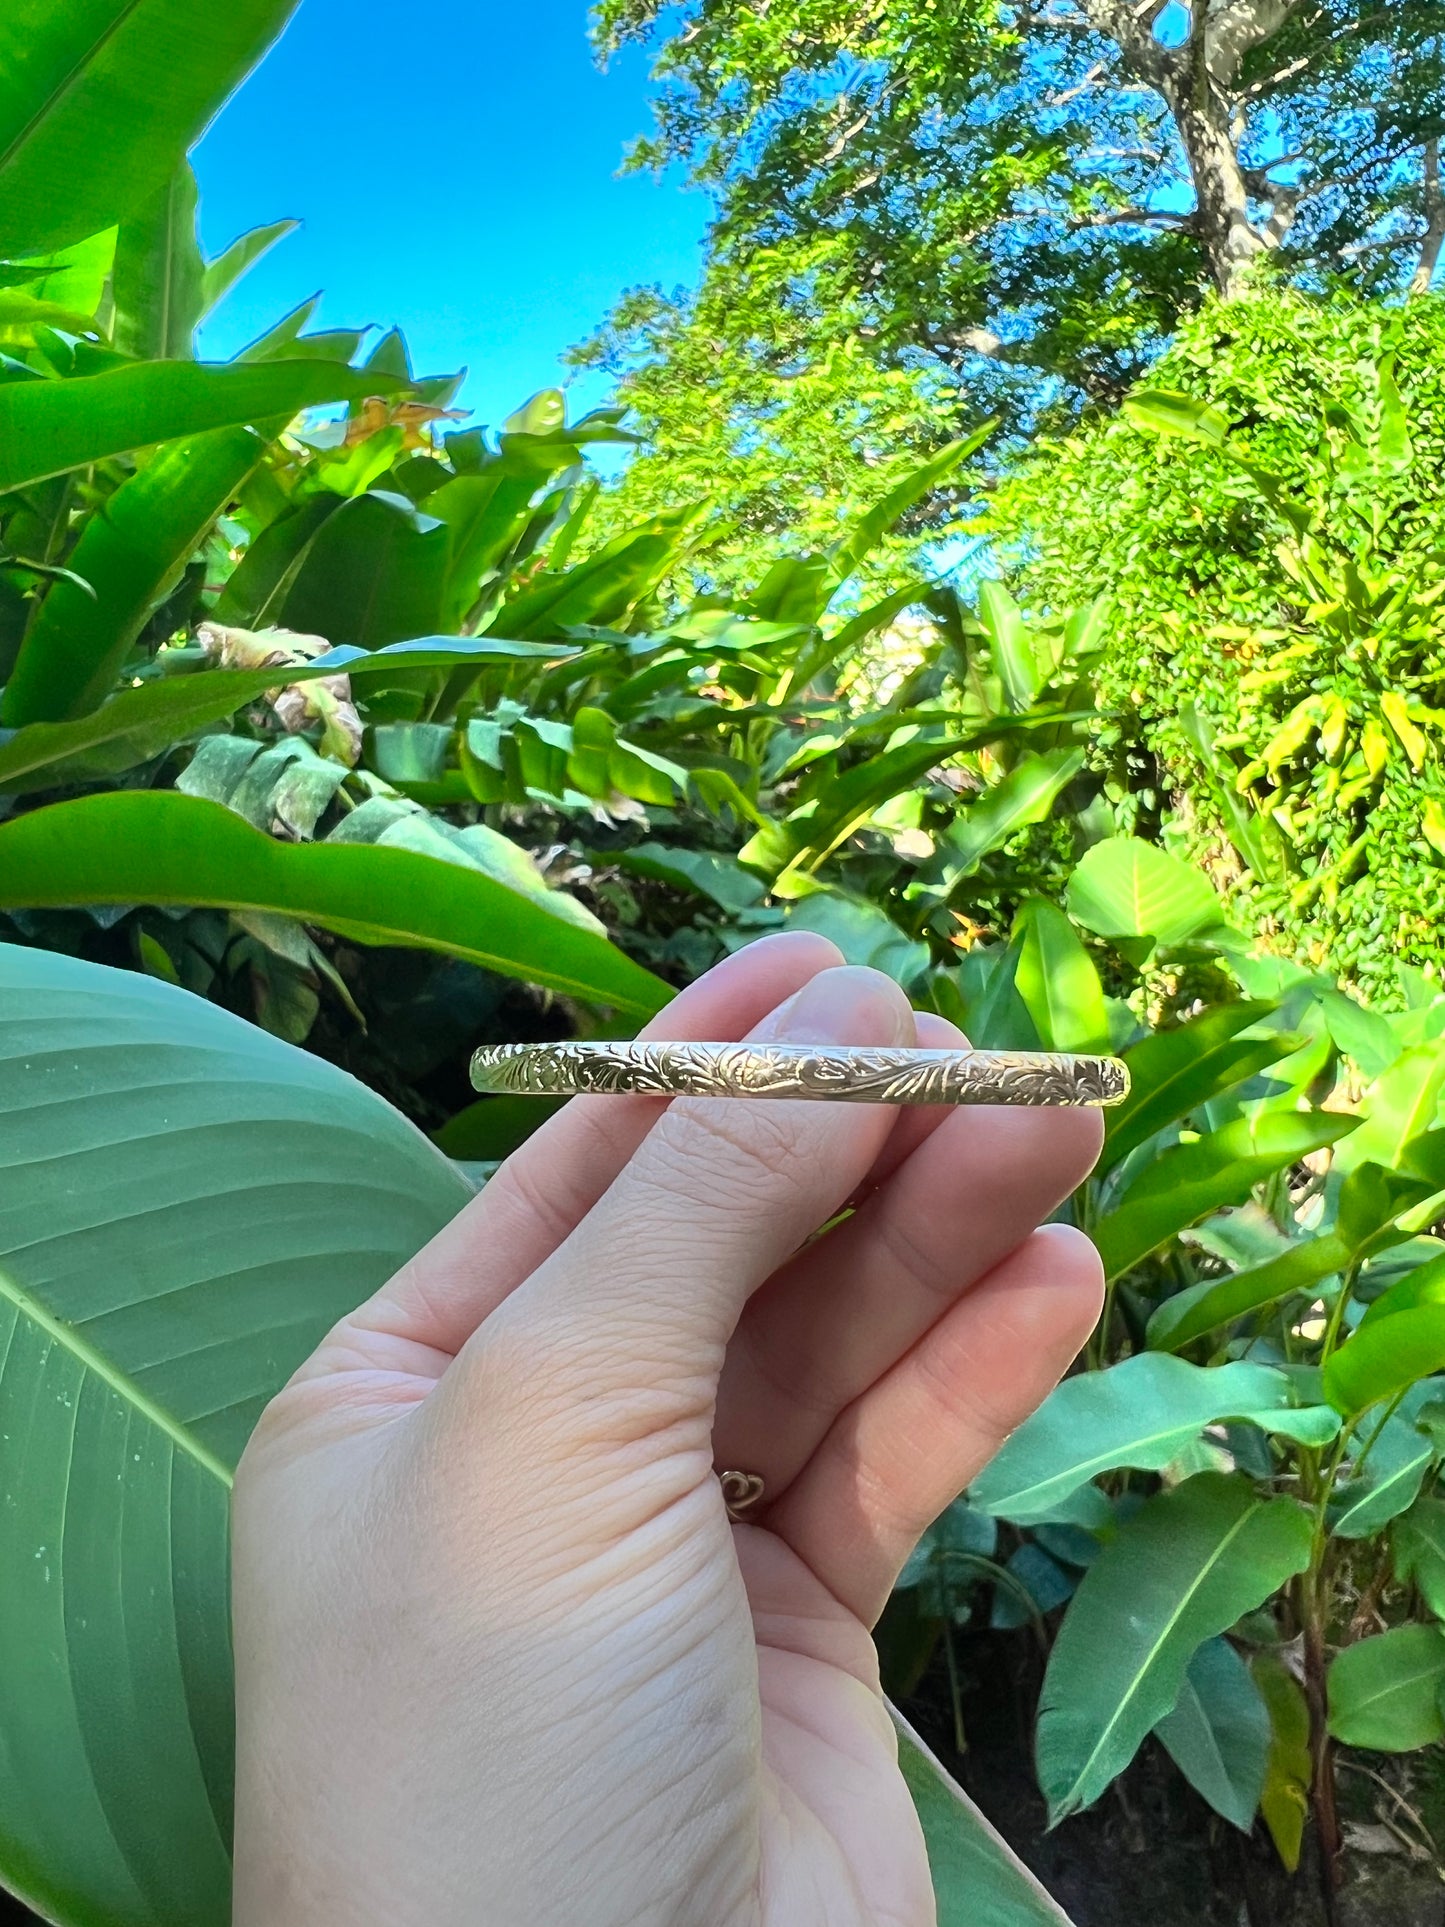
[1385, 1357]
[221, 275]
[1204, 1308]
[1057, 980]
[131, 555]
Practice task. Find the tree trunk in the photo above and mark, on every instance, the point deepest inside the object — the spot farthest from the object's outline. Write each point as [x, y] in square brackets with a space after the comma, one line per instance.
[1227, 237]
[1434, 236]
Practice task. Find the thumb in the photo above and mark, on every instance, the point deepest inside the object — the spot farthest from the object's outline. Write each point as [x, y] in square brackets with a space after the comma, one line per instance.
[648, 1288]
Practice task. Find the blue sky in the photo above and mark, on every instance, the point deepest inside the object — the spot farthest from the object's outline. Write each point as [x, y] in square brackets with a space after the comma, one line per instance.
[453, 163]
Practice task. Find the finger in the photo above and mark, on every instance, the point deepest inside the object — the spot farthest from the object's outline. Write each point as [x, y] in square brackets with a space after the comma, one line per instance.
[845, 1310]
[915, 1122]
[897, 1457]
[437, 1300]
[648, 1289]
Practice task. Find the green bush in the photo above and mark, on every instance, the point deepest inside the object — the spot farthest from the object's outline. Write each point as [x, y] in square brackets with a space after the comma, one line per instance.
[1275, 565]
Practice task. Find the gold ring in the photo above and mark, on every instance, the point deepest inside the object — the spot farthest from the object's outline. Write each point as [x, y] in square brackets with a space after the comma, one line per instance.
[741, 1492]
[847, 1073]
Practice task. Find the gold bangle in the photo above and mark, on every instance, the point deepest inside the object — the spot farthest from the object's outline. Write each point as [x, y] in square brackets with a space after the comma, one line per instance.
[849, 1074]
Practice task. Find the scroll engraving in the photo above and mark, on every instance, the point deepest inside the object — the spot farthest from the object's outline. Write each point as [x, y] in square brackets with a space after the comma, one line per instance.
[849, 1075]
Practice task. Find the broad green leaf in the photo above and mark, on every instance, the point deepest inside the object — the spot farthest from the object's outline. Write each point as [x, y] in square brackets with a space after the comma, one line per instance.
[838, 805]
[1359, 1032]
[977, 1879]
[1057, 980]
[1402, 1104]
[156, 282]
[99, 100]
[1163, 411]
[48, 427]
[371, 574]
[1390, 1477]
[1385, 1357]
[1385, 1692]
[1187, 1565]
[1174, 1073]
[1218, 1733]
[1425, 1285]
[75, 276]
[719, 878]
[1289, 1775]
[221, 275]
[200, 1203]
[1204, 1308]
[864, 933]
[1124, 887]
[1417, 1542]
[1025, 795]
[1189, 1180]
[1139, 1413]
[132, 555]
[148, 847]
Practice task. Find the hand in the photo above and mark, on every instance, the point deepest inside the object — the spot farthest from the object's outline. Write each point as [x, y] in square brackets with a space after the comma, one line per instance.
[502, 1661]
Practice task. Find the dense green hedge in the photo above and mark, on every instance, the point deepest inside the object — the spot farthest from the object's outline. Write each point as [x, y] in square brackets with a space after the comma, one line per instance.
[1264, 623]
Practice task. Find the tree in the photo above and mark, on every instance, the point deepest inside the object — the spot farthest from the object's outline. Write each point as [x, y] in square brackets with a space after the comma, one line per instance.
[1013, 204]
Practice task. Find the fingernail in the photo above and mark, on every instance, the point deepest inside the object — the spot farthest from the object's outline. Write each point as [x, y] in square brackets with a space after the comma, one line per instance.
[847, 1005]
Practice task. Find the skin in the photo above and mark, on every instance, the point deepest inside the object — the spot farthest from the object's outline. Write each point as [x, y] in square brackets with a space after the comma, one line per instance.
[501, 1657]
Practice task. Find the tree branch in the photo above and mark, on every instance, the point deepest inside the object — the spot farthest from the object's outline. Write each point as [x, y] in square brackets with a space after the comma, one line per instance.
[1235, 29]
[1131, 28]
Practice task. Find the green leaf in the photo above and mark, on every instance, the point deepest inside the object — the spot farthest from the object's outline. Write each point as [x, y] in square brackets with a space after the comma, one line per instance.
[138, 723]
[1187, 1181]
[977, 1879]
[1289, 1775]
[157, 276]
[48, 427]
[1011, 645]
[1218, 1734]
[1394, 1470]
[605, 589]
[1385, 1692]
[1401, 1105]
[200, 1204]
[143, 847]
[1203, 1308]
[1417, 1543]
[1025, 795]
[1124, 887]
[1187, 1565]
[1425, 1285]
[221, 275]
[132, 555]
[371, 574]
[99, 101]
[703, 872]
[871, 527]
[1057, 980]
[1140, 1413]
[1385, 1357]
[1174, 1073]
[864, 933]
[1163, 411]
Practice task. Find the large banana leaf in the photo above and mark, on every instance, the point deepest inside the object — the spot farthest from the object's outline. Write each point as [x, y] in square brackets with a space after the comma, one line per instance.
[99, 99]
[158, 275]
[189, 1205]
[153, 847]
[1187, 1566]
[47, 427]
